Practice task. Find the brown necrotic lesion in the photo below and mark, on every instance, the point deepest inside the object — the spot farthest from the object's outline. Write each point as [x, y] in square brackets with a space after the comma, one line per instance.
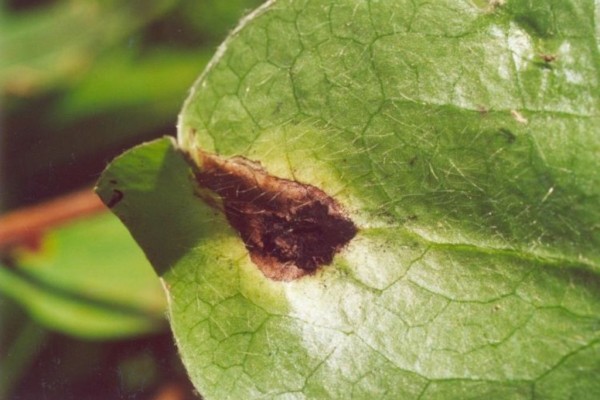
[290, 229]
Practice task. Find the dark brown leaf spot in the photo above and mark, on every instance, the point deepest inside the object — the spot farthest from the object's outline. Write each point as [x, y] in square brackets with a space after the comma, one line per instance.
[290, 229]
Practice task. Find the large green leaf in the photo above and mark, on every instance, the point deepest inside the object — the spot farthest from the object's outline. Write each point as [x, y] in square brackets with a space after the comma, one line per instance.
[461, 137]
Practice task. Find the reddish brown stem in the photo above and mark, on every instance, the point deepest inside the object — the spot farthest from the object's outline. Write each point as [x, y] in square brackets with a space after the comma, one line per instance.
[24, 226]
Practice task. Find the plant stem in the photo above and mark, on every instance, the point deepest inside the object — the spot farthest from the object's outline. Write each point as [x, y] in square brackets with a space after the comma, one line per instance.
[24, 226]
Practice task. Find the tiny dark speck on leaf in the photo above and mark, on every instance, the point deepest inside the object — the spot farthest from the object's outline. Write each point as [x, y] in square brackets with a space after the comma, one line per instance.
[548, 58]
[547, 61]
[482, 110]
[508, 135]
[116, 197]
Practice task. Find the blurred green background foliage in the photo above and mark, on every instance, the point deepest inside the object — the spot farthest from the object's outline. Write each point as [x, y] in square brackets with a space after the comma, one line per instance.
[81, 311]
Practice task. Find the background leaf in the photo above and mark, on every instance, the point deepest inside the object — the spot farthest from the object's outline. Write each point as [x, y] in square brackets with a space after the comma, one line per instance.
[73, 71]
[102, 290]
[40, 47]
[462, 139]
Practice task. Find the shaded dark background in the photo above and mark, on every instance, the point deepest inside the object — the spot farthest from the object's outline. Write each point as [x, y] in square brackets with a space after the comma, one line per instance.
[78, 91]
[82, 81]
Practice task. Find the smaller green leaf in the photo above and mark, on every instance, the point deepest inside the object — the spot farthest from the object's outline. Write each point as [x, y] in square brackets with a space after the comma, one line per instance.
[20, 341]
[88, 280]
[156, 179]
